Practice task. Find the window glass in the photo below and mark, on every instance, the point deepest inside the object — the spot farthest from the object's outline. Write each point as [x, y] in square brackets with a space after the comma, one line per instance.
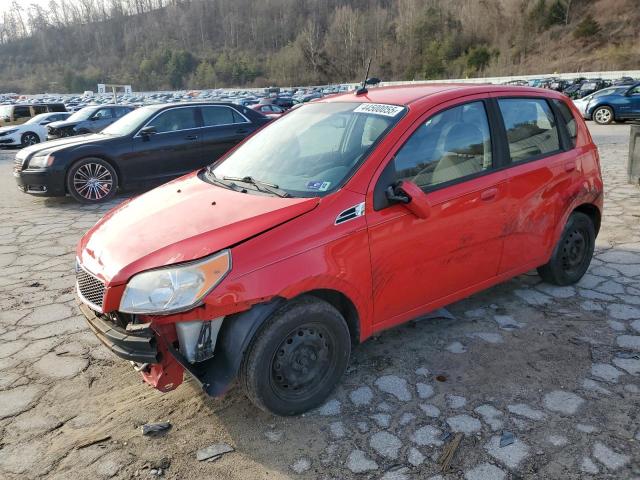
[568, 119]
[635, 91]
[237, 118]
[314, 149]
[38, 109]
[121, 112]
[174, 120]
[453, 144]
[213, 116]
[102, 114]
[21, 112]
[531, 128]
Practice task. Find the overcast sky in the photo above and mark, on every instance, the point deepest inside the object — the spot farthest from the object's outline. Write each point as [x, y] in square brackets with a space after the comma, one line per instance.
[5, 4]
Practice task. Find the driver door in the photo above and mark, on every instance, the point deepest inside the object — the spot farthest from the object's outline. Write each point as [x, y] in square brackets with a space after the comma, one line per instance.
[421, 264]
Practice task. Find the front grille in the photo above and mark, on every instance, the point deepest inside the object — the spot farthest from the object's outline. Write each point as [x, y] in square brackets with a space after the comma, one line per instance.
[90, 289]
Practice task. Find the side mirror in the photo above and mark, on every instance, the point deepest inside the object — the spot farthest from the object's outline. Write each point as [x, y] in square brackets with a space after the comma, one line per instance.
[146, 131]
[411, 196]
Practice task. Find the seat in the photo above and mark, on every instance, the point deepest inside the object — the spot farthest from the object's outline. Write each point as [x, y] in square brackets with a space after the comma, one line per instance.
[464, 153]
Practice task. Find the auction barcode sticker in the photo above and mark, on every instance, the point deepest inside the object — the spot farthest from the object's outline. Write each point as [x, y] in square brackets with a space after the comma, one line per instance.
[379, 109]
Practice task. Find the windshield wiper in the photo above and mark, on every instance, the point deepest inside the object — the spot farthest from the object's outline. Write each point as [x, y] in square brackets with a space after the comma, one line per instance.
[260, 185]
[221, 182]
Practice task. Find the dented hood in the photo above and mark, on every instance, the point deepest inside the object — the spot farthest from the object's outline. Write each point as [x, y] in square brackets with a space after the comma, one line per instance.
[181, 221]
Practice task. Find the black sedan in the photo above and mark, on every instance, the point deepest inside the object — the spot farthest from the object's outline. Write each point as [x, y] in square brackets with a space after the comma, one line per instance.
[149, 146]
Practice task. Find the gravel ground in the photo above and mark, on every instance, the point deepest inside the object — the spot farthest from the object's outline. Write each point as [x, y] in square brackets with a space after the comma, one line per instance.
[554, 369]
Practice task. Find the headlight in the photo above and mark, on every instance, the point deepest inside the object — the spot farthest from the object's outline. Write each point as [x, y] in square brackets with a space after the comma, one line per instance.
[41, 161]
[9, 132]
[173, 289]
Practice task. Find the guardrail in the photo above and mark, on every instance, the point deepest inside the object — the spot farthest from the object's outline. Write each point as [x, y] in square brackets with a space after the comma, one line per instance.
[613, 75]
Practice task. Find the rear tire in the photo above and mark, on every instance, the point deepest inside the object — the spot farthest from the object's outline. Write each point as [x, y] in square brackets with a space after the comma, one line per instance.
[28, 139]
[572, 255]
[92, 180]
[603, 115]
[296, 358]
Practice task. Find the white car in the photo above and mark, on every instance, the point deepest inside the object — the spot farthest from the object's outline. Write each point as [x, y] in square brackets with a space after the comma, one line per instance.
[31, 132]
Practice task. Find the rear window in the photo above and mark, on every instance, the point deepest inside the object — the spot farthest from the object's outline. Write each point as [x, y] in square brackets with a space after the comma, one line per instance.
[21, 112]
[569, 120]
[57, 107]
[531, 128]
[214, 116]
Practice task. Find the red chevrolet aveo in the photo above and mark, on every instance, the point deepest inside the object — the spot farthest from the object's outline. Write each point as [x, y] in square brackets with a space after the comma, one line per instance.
[343, 218]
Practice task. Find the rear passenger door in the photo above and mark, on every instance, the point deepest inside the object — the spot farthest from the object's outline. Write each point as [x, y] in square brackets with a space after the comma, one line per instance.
[224, 128]
[540, 174]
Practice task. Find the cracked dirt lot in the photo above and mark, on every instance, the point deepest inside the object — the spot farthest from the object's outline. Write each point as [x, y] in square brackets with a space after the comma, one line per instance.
[557, 367]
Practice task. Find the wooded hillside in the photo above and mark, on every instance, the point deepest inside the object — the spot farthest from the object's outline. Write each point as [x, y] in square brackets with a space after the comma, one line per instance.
[158, 44]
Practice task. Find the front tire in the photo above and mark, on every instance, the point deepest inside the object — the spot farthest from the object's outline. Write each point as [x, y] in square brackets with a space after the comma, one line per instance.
[603, 115]
[572, 255]
[297, 357]
[28, 139]
[92, 180]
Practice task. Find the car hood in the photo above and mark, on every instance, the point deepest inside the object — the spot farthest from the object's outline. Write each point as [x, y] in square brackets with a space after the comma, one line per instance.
[10, 127]
[55, 145]
[183, 220]
[62, 124]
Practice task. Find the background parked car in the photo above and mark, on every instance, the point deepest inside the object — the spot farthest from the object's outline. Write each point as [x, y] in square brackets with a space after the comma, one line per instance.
[151, 145]
[31, 132]
[618, 105]
[582, 103]
[88, 120]
[273, 111]
[20, 113]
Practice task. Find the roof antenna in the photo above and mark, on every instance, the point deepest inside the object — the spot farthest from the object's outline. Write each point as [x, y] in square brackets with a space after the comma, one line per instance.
[363, 88]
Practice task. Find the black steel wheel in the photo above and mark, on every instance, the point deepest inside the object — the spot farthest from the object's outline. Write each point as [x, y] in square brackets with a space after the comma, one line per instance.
[92, 180]
[297, 358]
[28, 139]
[572, 255]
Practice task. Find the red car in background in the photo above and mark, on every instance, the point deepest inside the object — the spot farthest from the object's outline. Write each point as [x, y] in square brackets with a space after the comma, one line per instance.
[270, 110]
[348, 216]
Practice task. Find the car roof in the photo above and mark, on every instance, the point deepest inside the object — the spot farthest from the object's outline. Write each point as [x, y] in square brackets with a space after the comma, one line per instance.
[407, 95]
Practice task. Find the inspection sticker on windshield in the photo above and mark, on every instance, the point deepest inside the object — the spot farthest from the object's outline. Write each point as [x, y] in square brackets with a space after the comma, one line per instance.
[318, 185]
[379, 109]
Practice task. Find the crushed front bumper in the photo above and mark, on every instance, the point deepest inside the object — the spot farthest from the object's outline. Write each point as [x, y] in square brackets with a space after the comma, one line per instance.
[139, 347]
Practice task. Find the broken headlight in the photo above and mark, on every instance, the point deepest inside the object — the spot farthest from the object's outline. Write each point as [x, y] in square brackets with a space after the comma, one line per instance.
[174, 289]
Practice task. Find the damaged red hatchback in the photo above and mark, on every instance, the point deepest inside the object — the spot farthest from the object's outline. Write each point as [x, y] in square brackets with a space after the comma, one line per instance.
[345, 217]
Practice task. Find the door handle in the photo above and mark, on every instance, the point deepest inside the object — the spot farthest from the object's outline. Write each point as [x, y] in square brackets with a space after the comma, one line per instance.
[489, 194]
[570, 166]
[191, 137]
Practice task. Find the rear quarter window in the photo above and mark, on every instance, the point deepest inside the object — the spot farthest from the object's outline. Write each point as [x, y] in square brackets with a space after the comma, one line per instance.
[566, 116]
[531, 128]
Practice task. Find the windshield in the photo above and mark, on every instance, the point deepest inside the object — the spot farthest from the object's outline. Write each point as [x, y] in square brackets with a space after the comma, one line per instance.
[37, 118]
[589, 86]
[608, 91]
[312, 150]
[130, 122]
[82, 114]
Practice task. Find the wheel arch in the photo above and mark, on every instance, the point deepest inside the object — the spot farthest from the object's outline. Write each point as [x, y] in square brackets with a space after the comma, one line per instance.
[344, 305]
[604, 104]
[593, 212]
